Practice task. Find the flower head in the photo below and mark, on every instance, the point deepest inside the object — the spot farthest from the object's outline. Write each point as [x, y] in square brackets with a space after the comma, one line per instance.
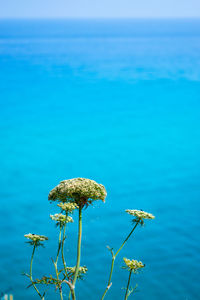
[68, 207]
[133, 265]
[139, 215]
[61, 219]
[79, 190]
[81, 271]
[35, 239]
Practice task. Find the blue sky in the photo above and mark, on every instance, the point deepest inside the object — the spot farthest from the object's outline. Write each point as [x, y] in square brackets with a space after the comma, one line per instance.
[99, 8]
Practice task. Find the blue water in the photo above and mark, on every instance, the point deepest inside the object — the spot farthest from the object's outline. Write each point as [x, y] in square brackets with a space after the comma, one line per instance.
[117, 102]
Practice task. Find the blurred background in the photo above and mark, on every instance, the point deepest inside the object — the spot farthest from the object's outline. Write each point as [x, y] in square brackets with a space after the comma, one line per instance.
[115, 100]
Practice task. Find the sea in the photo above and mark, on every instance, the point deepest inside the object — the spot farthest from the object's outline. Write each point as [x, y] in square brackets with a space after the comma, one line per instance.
[116, 101]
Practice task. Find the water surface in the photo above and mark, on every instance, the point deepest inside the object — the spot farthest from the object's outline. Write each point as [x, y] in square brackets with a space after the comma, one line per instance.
[118, 102]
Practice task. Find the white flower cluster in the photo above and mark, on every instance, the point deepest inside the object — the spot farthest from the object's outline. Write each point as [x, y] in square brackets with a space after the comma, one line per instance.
[78, 190]
[68, 207]
[140, 214]
[133, 265]
[36, 239]
[61, 219]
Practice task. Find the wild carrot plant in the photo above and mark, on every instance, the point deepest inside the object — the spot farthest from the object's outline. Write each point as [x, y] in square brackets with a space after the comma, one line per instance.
[70, 195]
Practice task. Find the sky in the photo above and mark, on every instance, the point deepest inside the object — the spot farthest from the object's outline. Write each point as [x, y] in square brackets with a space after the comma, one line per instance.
[99, 8]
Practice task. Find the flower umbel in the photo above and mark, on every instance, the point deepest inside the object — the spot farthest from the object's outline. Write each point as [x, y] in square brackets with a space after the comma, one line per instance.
[61, 219]
[36, 239]
[133, 265]
[81, 271]
[139, 215]
[82, 191]
[68, 207]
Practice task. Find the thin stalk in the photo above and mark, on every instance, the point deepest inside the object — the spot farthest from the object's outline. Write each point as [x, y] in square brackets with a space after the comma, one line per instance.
[73, 294]
[78, 254]
[69, 296]
[62, 249]
[110, 276]
[113, 260]
[57, 275]
[129, 278]
[78, 247]
[126, 239]
[59, 245]
[71, 290]
[31, 276]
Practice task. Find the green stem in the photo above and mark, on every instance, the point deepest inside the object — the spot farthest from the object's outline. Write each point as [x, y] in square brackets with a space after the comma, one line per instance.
[126, 239]
[56, 262]
[73, 294]
[129, 278]
[59, 245]
[62, 249]
[71, 290]
[78, 246]
[113, 260]
[110, 277]
[31, 276]
[78, 253]
[57, 275]
[69, 296]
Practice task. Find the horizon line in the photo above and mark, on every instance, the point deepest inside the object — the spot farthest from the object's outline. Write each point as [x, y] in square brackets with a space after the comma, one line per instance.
[100, 18]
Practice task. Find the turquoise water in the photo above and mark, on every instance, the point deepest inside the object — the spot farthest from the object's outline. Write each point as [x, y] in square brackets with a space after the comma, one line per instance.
[117, 102]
